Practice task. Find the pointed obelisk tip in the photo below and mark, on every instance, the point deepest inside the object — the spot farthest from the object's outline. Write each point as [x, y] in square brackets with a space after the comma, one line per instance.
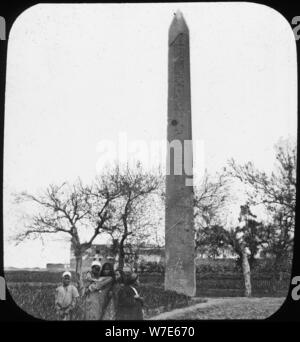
[178, 26]
[178, 15]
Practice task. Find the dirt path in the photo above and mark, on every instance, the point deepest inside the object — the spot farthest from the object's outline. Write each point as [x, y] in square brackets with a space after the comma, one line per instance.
[226, 308]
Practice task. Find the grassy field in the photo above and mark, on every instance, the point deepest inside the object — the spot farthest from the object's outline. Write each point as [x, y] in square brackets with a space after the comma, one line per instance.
[37, 299]
[34, 291]
[235, 308]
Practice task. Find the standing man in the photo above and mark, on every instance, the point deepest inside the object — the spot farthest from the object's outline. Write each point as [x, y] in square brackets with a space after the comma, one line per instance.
[129, 302]
[66, 297]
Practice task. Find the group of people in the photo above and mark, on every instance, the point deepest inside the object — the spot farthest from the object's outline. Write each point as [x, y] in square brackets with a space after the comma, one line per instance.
[107, 294]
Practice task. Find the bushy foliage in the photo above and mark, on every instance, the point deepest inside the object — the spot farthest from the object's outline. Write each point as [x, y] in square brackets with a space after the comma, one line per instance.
[151, 267]
[216, 266]
[158, 300]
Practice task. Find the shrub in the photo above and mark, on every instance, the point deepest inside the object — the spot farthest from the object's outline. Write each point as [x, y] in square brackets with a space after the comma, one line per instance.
[156, 296]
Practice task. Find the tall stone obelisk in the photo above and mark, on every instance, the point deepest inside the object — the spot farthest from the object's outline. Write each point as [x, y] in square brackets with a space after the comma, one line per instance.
[179, 230]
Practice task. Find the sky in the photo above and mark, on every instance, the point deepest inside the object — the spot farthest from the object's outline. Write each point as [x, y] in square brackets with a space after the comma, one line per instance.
[81, 77]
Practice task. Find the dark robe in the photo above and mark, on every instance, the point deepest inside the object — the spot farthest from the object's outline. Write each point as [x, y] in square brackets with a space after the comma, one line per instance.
[128, 307]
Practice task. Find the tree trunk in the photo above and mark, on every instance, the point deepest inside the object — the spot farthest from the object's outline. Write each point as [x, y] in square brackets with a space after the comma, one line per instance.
[121, 257]
[78, 271]
[78, 265]
[246, 274]
[121, 247]
[275, 274]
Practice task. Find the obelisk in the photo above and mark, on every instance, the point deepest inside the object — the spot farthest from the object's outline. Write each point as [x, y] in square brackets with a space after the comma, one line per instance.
[179, 220]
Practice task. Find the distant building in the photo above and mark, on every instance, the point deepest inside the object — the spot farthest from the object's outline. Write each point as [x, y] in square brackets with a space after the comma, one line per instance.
[88, 257]
[143, 255]
[56, 267]
[151, 254]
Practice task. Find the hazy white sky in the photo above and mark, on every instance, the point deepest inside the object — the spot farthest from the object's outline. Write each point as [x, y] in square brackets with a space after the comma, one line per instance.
[80, 74]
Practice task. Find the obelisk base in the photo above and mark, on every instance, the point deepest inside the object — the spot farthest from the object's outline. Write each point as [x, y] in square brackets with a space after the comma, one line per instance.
[180, 272]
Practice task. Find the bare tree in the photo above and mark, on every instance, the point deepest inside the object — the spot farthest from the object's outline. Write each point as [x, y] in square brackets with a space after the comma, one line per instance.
[132, 221]
[210, 199]
[277, 192]
[70, 210]
[242, 241]
[245, 243]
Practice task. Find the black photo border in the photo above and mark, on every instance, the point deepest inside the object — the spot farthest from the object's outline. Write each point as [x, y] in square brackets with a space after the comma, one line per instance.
[10, 312]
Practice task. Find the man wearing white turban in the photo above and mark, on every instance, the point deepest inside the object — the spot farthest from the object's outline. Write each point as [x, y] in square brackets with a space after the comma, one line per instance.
[66, 298]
